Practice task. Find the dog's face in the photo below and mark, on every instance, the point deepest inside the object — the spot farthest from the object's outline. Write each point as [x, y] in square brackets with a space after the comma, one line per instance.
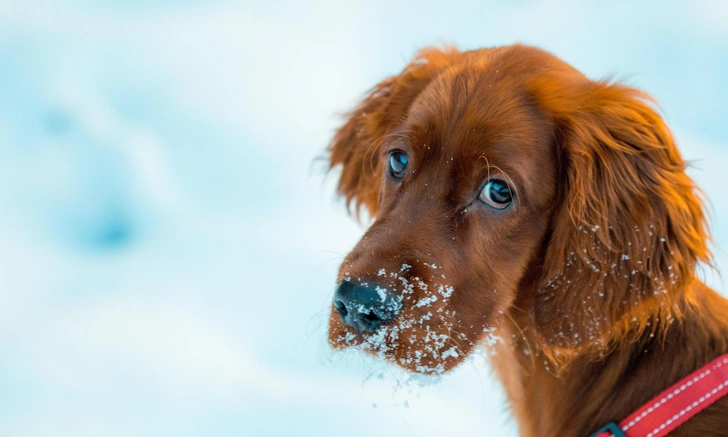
[463, 162]
[466, 183]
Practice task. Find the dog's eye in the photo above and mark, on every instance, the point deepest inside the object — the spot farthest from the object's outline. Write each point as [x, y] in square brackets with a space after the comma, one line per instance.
[397, 163]
[496, 194]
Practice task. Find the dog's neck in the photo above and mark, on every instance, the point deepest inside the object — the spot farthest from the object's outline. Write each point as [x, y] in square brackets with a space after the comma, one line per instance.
[592, 391]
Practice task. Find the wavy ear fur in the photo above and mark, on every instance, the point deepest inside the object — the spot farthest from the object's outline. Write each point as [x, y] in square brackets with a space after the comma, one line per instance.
[356, 145]
[630, 229]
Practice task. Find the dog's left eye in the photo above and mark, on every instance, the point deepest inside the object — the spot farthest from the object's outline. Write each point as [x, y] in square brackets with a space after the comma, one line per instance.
[496, 194]
[397, 163]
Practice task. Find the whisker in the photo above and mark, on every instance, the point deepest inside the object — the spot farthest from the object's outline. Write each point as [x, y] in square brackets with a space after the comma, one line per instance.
[334, 252]
[525, 340]
[326, 262]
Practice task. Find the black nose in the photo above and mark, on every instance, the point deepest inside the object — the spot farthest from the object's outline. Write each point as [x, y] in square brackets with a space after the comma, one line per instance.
[365, 307]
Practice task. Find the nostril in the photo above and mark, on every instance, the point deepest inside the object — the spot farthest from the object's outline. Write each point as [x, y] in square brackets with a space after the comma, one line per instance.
[341, 308]
[371, 317]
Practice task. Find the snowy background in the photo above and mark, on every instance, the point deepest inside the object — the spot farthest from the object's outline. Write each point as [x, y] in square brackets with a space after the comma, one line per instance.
[168, 244]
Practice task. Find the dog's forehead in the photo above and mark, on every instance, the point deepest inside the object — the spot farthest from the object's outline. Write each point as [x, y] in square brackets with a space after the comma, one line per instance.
[477, 118]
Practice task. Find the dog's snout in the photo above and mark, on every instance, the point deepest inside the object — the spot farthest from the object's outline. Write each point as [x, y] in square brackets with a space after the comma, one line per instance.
[365, 307]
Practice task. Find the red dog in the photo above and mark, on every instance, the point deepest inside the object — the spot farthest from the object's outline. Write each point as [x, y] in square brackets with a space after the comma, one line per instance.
[520, 204]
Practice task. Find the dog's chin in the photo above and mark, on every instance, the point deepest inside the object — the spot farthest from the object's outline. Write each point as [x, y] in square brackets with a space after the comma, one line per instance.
[415, 349]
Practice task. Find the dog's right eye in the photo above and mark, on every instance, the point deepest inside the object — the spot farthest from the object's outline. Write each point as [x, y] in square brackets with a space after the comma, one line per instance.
[397, 163]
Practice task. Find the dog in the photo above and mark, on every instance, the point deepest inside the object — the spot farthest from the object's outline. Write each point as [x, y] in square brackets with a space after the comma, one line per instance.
[518, 204]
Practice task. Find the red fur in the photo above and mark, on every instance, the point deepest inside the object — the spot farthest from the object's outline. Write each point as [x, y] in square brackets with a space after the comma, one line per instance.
[586, 285]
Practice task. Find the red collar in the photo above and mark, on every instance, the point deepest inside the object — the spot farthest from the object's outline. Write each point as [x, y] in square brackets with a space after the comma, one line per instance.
[676, 405]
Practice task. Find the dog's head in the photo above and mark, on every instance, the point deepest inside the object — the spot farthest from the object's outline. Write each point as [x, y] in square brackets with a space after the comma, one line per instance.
[504, 177]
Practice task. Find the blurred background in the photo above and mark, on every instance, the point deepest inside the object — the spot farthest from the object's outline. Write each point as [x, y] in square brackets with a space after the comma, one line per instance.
[168, 242]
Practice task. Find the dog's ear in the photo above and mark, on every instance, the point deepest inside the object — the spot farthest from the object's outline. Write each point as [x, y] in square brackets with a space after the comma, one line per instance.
[629, 230]
[356, 145]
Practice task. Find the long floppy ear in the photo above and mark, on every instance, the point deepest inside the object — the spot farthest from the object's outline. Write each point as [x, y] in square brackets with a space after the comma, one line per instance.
[630, 229]
[356, 145]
